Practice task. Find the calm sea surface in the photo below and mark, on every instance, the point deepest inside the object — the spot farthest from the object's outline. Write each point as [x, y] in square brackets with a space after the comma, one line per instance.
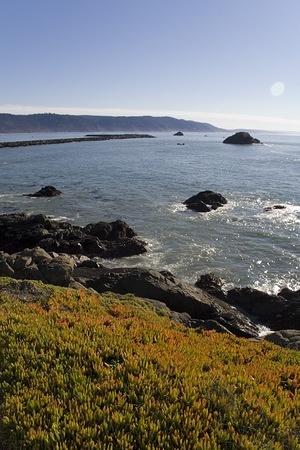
[144, 182]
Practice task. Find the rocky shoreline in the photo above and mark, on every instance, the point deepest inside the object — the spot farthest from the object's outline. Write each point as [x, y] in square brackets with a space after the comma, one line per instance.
[87, 138]
[37, 248]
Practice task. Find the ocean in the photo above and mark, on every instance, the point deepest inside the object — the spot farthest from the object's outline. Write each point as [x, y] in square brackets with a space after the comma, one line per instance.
[145, 181]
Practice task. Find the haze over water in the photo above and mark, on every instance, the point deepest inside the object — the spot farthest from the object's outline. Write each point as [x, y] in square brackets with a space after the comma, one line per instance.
[145, 181]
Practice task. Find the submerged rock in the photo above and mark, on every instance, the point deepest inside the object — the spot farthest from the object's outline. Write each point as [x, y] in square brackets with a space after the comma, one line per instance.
[270, 208]
[115, 239]
[205, 201]
[47, 191]
[179, 133]
[241, 138]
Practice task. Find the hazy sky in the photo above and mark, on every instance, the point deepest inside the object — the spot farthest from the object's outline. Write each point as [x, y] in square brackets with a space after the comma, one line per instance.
[234, 63]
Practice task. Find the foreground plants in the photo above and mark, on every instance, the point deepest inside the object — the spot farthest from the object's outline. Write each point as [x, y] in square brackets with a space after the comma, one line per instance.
[84, 371]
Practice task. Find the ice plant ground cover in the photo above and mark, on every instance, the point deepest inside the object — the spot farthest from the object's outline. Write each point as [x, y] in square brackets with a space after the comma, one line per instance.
[84, 371]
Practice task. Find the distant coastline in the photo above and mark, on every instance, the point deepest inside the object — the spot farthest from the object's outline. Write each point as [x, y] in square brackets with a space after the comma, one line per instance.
[39, 123]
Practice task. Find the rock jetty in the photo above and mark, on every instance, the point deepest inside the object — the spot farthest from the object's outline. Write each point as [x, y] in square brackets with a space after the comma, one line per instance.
[87, 138]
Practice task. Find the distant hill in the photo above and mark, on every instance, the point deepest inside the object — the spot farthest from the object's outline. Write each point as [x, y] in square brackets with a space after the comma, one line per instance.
[10, 123]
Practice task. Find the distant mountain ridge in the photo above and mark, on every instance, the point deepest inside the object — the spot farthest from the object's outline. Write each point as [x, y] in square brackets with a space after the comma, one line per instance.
[46, 122]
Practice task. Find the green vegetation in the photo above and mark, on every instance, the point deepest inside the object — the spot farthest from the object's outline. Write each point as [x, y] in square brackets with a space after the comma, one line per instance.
[84, 371]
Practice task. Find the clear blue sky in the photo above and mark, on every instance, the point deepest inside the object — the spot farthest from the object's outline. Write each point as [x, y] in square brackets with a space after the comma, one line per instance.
[212, 60]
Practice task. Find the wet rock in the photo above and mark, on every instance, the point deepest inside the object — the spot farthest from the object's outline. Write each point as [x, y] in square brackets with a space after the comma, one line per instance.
[212, 284]
[178, 296]
[205, 201]
[241, 138]
[47, 191]
[289, 294]
[271, 208]
[179, 133]
[21, 231]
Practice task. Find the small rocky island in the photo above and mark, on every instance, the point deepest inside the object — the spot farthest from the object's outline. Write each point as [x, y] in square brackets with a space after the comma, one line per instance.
[179, 133]
[205, 201]
[241, 138]
[46, 191]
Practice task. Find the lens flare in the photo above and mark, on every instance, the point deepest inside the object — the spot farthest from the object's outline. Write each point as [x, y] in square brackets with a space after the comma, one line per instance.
[277, 88]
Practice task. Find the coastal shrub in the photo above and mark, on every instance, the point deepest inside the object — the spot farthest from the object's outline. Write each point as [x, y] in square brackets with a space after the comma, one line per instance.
[84, 371]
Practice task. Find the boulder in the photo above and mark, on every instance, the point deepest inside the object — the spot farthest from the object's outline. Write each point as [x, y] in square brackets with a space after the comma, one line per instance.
[285, 338]
[164, 287]
[212, 284]
[108, 240]
[5, 269]
[179, 133]
[241, 138]
[274, 311]
[205, 201]
[58, 271]
[47, 191]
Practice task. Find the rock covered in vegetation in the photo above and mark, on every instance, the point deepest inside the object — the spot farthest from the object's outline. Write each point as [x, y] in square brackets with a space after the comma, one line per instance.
[205, 201]
[108, 240]
[122, 374]
[47, 191]
[241, 138]
[177, 295]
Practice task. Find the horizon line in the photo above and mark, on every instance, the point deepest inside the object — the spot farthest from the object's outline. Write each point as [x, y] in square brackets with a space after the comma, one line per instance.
[220, 120]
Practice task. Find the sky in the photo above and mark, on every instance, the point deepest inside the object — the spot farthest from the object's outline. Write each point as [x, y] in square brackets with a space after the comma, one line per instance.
[233, 63]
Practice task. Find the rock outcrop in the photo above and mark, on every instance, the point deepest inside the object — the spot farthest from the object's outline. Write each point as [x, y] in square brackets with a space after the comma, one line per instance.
[179, 133]
[166, 288]
[275, 311]
[107, 240]
[47, 191]
[205, 201]
[285, 338]
[211, 284]
[241, 138]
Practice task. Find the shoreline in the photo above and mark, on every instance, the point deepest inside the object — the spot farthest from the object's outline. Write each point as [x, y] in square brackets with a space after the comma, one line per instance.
[87, 138]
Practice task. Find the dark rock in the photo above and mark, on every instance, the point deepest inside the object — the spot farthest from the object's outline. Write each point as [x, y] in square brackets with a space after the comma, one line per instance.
[275, 311]
[241, 138]
[256, 302]
[289, 294]
[178, 296]
[285, 338]
[178, 143]
[205, 201]
[212, 325]
[5, 269]
[90, 263]
[58, 271]
[115, 239]
[212, 284]
[179, 133]
[270, 208]
[47, 191]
